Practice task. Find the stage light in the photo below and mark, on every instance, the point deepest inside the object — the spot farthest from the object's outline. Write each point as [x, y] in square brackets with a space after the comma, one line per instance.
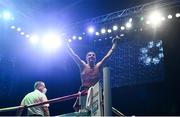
[27, 36]
[13, 27]
[6, 15]
[80, 38]
[151, 44]
[169, 16]
[69, 40]
[115, 27]
[128, 25]
[109, 30]
[161, 55]
[177, 15]
[163, 18]
[122, 35]
[34, 39]
[152, 54]
[91, 29]
[97, 33]
[142, 18]
[18, 29]
[103, 31]
[74, 37]
[161, 49]
[147, 61]
[144, 50]
[51, 41]
[155, 18]
[130, 20]
[122, 27]
[22, 33]
[158, 44]
[148, 22]
[155, 60]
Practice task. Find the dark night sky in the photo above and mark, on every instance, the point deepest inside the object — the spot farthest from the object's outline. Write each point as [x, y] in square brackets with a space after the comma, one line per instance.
[61, 74]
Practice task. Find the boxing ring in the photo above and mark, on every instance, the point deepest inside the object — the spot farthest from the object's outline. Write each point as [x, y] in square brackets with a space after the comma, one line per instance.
[97, 103]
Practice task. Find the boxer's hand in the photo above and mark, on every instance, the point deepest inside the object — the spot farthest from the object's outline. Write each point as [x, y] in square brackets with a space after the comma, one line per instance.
[116, 40]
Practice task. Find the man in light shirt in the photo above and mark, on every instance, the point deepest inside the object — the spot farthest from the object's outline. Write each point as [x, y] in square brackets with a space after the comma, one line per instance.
[37, 96]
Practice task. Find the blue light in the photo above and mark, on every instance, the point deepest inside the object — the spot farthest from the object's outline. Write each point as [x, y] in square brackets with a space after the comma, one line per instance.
[6, 15]
[147, 61]
[91, 29]
[159, 44]
[151, 44]
[144, 50]
[155, 60]
[148, 56]
[161, 55]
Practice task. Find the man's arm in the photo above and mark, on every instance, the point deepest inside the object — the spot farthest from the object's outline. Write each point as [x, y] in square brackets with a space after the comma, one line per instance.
[46, 111]
[113, 48]
[75, 57]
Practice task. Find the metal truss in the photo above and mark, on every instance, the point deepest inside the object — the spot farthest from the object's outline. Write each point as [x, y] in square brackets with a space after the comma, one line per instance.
[118, 15]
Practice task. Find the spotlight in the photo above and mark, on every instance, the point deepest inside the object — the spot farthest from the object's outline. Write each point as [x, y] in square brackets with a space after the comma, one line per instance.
[91, 30]
[128, 25]
[22, 33]
[122, 27]
[169, 16]
[149, 55]
[80, 38]
[161, 55]
[144, 50]
[99, 39]
[103, 31]
[147, 61]
[74, 37]
[155, 60]
[13, 27]
[162, 18]
[148, 22]
[155, 18]
[97, 33]
[109, 30]
[18, 29]
[122, 35]
[177, 15]
[151, 44]
[115, 28]
[27, 36]
[51, 41]
[6, 15]
[69, 40]
[34, 39]
[158, 44]
[142, 18]
[130, 20]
